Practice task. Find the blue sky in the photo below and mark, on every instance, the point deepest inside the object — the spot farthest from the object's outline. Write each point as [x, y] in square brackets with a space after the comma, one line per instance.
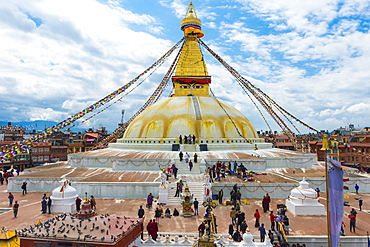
[312, 57]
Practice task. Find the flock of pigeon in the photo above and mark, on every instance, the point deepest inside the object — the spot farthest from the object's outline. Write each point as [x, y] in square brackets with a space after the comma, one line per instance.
[102, 227]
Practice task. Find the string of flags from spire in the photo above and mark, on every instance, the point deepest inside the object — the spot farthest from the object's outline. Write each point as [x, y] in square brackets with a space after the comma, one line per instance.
[19, 147]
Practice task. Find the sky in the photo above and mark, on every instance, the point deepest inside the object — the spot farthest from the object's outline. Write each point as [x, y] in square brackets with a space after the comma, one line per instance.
[59, 56]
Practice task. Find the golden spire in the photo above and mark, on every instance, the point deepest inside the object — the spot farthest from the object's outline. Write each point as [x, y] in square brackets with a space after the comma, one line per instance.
[191, 76]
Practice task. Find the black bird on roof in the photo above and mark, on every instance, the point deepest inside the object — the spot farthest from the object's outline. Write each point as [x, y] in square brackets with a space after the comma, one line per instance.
[102, 238]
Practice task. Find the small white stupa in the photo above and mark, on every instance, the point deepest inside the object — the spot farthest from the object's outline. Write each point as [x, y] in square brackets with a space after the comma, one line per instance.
[63, 198]
[304, 201]
[163, 189]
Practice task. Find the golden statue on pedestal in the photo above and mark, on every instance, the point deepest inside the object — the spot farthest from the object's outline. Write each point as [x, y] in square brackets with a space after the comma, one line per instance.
[187, 202]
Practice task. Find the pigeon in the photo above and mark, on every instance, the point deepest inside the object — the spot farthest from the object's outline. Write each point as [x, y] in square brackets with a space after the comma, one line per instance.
[65, 236]
[102, 238]
[107, 232]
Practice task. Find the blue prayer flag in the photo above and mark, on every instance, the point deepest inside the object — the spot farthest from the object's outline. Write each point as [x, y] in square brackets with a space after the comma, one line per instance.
[335, 179]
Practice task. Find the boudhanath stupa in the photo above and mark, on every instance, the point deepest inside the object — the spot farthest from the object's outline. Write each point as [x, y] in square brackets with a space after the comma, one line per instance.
[133, 165]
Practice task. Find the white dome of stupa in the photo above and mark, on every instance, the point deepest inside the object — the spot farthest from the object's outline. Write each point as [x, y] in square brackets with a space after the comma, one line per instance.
[64, 193]
[303, 194]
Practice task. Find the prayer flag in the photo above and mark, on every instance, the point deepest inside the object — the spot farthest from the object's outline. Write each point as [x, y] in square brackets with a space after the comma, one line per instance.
[335, 180]
[345, 188]
[346, 196]
[346, 180]
[347, 205]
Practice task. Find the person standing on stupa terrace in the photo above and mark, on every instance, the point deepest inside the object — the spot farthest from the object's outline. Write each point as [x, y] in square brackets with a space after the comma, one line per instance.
[220, 195]
[141, 212]
[11, 198]
[181, 155]
[190, 165]
[15, 209]
[196, 206]
[195, 158]
[187, 157]
[233, 216]
[193, 137]
[24, 188]
[272, 220]
[265, 204]
[257, 216]
[357, 188]
[180, 139]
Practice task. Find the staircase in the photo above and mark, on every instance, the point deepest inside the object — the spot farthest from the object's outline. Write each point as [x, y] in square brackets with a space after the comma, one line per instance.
[196, 188]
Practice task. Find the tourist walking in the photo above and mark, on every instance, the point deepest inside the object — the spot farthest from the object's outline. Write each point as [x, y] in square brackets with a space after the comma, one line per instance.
[360, 201]
[78, 204]
[181, 155]
[201, 229]
[149, 200]
[233, 216]
[271, 236]
[231, 230]
[195, 158]
[220, 195]
[11, 198]
[262, 232]
[44, 205]
[266, 203]
[243, 227]
[352, 222]
[174, 171]
[24, 188]
[190, 165]
[357, 188]
[49, 201]
[155, 230]
[187, 157]
[272, 220]
[15, 209]
[196, 206]
[141, 212]
[158, 214]
[177, 194]
[92, 202]
[257, 216]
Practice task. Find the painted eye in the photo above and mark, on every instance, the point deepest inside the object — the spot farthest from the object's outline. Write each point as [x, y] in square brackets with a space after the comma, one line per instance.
[184, 86]
[198, 86]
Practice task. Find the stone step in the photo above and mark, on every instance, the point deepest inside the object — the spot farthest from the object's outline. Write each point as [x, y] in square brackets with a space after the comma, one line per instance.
[195, 188]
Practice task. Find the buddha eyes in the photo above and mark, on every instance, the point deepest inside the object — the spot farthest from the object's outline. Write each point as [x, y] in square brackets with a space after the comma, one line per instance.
[195, 86]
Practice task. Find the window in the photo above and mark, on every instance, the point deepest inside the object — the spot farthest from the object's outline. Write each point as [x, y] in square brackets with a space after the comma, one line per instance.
[46, 150]
[42, 244]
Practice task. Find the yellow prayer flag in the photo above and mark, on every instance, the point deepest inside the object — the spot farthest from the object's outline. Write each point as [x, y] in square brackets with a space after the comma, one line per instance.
[346, 196]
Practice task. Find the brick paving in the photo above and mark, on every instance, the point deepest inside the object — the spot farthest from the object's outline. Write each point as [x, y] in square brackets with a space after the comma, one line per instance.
[30, 213]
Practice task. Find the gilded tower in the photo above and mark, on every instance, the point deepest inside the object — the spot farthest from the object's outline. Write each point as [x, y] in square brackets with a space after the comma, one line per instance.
[191, 77]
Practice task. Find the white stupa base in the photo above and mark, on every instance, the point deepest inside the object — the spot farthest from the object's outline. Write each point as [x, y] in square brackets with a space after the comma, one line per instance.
[64, 208]
[305, 209]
